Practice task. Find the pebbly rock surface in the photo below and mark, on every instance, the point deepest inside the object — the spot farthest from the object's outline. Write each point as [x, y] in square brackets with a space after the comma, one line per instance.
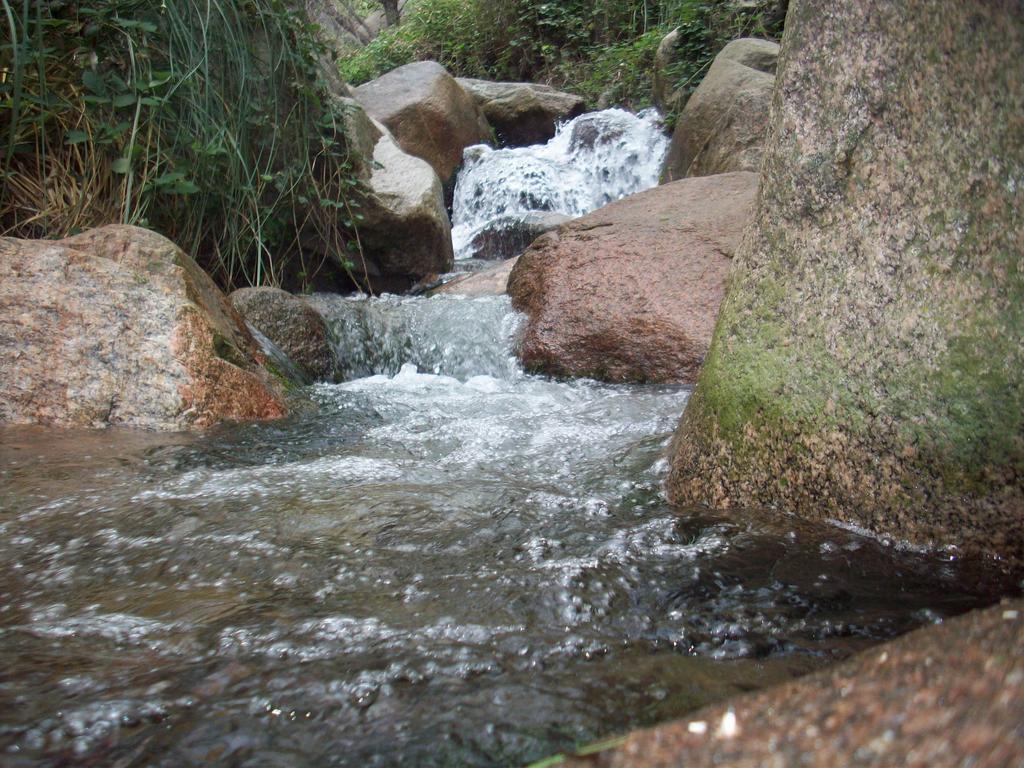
[523, 113]
[951, 694]
[868, 363]
[722, 127]
[405, 232]
[293, 325]
[630, 292]
[118, 326]
[429, 114]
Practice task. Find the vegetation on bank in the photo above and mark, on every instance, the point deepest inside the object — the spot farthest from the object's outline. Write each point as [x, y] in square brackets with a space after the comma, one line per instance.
[210, 121]
[206, 121]
[601, 49]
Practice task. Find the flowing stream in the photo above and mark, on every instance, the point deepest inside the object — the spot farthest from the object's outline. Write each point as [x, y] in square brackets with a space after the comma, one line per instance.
[592, 160]
[442, 561]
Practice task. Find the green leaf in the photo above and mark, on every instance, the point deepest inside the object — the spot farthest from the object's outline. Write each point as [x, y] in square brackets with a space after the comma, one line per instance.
[121, 165]
[76, 137]
[183, 187]
[124, 99]
[92, 81]
[169, 178]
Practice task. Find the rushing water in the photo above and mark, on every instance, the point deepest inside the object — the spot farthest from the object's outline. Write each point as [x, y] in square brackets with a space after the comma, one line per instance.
[592, 160]
[457, 565]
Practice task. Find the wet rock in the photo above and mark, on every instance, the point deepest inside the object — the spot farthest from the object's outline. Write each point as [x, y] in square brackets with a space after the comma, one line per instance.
[593, 131]
[509, 236]
[488, 282]
[293, 325]
[119, 326]
[405, 233]
[429, 114]
[722, 127]
[630, 292]
[523, 113]
[869, 359]
[951, 694]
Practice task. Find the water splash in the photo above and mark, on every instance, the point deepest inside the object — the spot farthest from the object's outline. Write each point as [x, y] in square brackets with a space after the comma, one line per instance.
[592, 160]
[444, 335]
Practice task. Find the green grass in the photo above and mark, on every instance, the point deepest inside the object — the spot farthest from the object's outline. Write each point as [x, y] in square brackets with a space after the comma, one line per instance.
[206, 121]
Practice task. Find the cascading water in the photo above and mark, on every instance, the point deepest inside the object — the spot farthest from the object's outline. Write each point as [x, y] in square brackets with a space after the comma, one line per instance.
[592, 160]
[459, 565]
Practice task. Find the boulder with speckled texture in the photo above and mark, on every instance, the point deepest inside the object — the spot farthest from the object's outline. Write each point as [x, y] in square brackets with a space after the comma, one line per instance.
[118, 326]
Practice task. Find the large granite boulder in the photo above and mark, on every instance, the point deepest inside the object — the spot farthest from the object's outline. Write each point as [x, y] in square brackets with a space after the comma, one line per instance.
[117, 326]
[405, 234]
[722, 127]
[292, 325]
[868, 364]
[951, 694]
[762, 55]
[429, 114]
[630, 292]
[523, 113]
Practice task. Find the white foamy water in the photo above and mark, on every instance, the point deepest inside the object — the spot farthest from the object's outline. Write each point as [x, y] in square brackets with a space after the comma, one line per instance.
[591, 161]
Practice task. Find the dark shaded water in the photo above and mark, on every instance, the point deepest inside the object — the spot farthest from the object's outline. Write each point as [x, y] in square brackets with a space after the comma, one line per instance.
[476, 569]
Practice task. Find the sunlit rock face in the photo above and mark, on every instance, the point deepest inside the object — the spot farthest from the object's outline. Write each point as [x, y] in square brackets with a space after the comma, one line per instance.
[868, 362]
[118, 326]
[630, 292]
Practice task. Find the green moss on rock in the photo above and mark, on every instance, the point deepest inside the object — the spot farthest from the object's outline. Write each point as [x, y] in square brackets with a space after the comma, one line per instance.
[868, 363]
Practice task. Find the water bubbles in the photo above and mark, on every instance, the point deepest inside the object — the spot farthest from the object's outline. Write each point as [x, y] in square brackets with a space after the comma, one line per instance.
[592, 160]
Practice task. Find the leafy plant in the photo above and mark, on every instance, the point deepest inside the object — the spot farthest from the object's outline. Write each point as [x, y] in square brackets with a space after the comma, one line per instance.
[205, 120]
[597, 48]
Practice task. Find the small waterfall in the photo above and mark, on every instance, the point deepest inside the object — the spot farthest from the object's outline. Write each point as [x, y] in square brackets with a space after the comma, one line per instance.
[592, 160]
[447, 335]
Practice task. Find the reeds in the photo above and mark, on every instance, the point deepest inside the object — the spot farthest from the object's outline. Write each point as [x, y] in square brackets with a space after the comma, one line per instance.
[207, 120]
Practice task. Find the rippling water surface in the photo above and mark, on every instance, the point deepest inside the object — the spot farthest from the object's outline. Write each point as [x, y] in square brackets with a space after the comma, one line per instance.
[455, 565]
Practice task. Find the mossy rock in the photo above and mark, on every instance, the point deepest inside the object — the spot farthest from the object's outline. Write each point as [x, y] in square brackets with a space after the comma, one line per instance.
[868, 362]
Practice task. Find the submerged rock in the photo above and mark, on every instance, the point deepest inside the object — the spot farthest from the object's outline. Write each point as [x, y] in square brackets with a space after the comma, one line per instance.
[429, 114]
[523, 113]
[951, 694]
[722, 127]
[868, 364]
[292, 325]
[119, 326]
[509, 236]
[630, 292]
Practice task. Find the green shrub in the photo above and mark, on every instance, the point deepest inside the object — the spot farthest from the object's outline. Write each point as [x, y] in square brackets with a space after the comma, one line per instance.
[206, 121]
[592, 47]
